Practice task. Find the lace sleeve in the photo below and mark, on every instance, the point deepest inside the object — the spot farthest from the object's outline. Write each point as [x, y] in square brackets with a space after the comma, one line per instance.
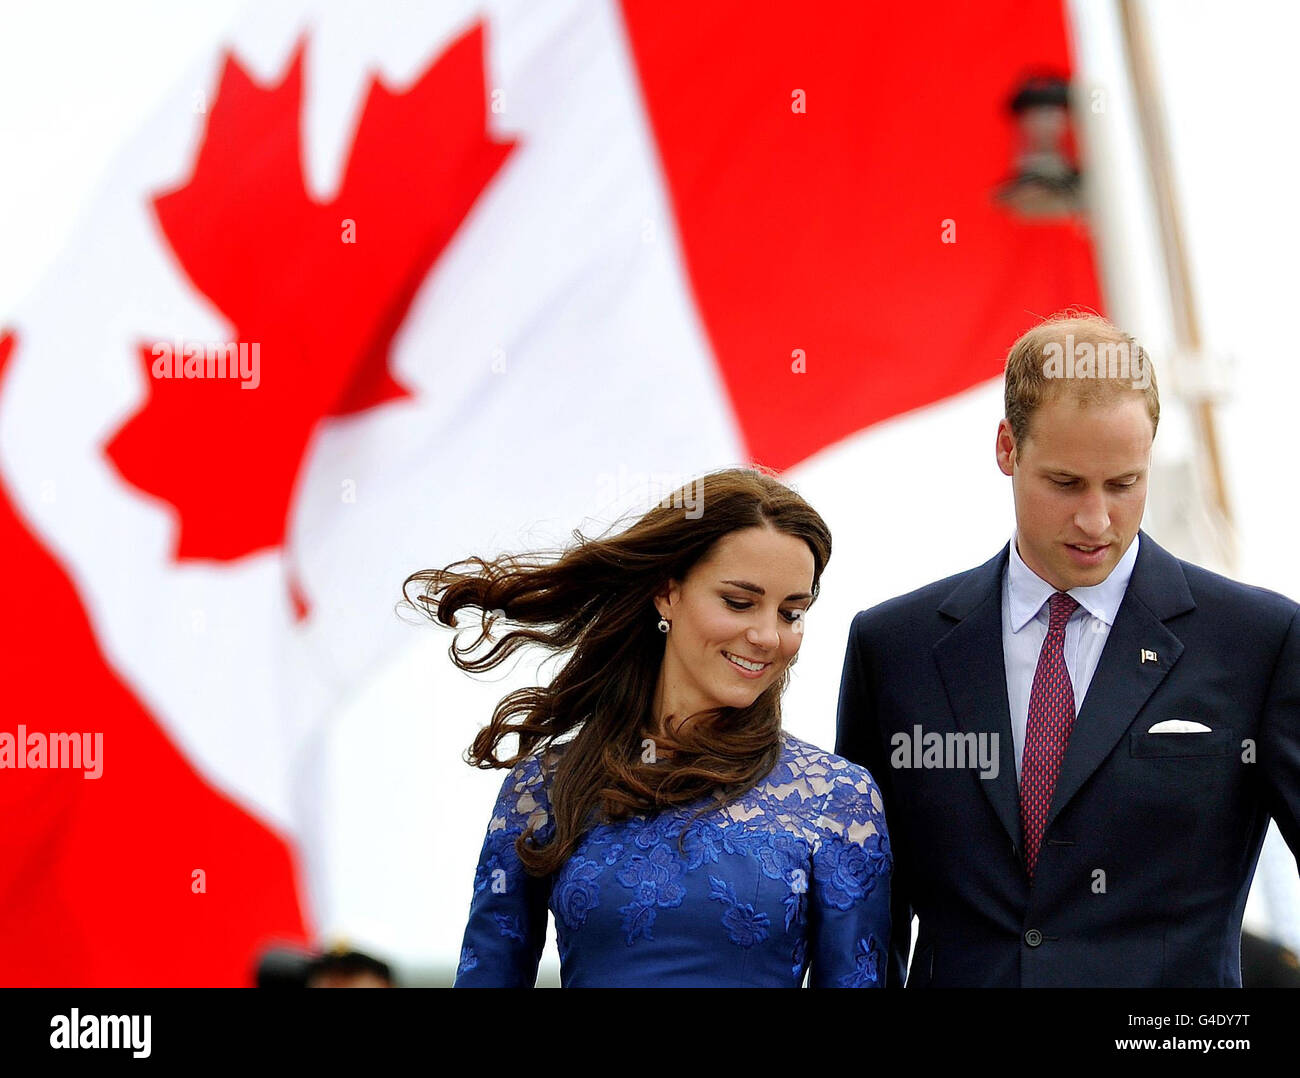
[849, 911]
[506, 930]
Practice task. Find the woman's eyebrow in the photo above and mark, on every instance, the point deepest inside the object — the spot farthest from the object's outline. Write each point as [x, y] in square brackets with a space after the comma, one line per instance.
[747, 586]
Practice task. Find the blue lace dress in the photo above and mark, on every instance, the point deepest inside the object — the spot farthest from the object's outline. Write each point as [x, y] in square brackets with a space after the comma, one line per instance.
[791, 877]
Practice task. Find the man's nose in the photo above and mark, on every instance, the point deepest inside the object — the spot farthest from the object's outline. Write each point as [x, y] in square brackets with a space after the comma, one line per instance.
[1092, 517]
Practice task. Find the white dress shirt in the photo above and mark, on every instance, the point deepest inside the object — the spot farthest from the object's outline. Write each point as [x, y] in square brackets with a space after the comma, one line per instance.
[1024, 628]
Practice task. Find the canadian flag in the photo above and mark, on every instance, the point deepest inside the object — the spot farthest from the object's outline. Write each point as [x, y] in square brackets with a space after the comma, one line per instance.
[365, 299]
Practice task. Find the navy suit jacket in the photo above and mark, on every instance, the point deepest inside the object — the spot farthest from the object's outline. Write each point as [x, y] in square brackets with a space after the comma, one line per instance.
[1151, 839]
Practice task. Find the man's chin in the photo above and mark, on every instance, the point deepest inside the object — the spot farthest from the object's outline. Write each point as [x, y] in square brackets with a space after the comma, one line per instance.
[1084, 578]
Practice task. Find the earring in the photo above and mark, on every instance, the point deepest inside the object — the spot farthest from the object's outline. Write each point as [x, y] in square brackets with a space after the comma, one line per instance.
[664, 625]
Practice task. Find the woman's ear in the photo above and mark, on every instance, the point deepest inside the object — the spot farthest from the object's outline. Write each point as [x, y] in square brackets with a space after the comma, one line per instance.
[665, 597]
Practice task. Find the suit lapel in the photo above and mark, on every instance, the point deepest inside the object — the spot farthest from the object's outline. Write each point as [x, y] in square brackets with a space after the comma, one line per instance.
[974, 676]
[1123, 682]
[971, 663]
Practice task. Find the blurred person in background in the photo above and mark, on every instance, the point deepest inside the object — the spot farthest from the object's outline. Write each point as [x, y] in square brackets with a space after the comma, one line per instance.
[349, 969]
[339, 967]
[654, 804]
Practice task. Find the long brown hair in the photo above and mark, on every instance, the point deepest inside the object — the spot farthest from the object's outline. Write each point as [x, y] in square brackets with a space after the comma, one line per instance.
[595, 601]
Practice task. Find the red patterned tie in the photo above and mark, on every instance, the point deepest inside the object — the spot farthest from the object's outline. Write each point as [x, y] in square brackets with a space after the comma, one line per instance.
[1051, 717]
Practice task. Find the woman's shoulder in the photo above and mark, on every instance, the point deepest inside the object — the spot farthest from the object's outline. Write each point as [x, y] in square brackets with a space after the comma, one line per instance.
[849, 795]
[524, 799]
[805, 758]
[536, 768]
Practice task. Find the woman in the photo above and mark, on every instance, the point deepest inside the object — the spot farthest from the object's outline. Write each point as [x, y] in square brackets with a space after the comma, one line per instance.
[655, 806]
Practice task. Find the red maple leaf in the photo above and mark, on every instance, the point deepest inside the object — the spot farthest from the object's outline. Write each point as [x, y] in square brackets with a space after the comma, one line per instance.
[319, 297]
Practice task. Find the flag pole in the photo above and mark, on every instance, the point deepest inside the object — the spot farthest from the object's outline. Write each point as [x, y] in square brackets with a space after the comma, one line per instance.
[1178, 277]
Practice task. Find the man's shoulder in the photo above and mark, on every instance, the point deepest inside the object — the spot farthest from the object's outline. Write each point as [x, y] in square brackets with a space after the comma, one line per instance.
[1222, 596]
[904, 609]
[1209, 586]
[1157, 571]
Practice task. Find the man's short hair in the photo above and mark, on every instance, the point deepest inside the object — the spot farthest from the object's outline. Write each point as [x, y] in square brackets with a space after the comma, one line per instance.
[1080, 353]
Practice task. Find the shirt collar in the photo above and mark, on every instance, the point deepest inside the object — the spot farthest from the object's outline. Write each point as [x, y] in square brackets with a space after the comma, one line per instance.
[1028, 591]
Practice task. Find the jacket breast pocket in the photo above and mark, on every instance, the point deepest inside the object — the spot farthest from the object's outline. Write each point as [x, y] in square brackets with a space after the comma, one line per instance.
[1202, 743]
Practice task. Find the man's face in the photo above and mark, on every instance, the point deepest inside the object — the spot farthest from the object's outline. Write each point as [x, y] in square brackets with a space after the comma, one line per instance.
[1079, 479]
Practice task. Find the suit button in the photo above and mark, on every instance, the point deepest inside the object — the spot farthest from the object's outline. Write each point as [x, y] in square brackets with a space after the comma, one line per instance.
[1033, 937]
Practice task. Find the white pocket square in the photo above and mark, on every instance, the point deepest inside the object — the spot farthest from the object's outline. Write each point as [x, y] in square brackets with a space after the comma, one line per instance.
[1179, 726]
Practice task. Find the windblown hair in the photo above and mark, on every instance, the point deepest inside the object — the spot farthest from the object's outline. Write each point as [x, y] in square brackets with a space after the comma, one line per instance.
[595, 602]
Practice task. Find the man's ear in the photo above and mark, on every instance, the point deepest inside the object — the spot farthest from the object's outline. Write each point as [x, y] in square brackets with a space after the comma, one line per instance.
[1006, 448]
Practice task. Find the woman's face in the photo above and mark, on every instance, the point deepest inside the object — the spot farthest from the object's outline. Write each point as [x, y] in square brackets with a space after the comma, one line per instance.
[736, 621]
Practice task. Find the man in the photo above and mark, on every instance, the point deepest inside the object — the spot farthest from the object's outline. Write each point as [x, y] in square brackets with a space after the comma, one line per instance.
[1080, 742]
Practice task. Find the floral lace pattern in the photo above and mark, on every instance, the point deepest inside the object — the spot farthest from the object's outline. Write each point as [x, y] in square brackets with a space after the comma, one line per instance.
[792, 875]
